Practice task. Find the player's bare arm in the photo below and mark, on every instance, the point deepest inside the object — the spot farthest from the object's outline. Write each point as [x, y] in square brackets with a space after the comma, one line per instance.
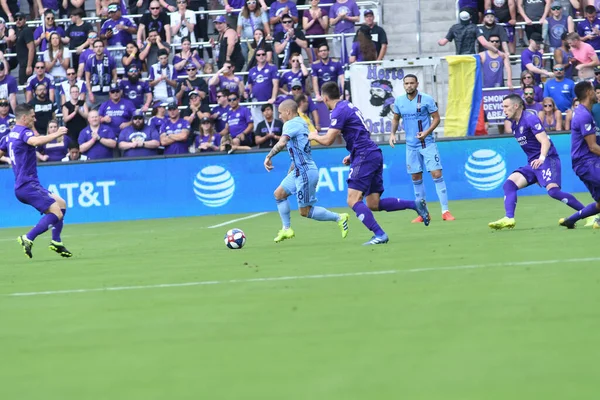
[395, 124]
[542, 137]
[280, 145]
[435, 121]
[42, 140]
[592, 144]
[326, 139]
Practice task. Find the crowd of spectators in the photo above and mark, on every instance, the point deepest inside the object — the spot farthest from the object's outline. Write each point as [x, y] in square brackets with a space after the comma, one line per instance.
[102, 78]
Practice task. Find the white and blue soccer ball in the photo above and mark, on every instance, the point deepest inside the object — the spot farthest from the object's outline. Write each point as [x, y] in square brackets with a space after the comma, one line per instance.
[235, 239]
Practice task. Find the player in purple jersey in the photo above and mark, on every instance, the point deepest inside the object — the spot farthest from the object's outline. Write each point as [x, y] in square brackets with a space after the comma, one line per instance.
[20, 146]
[365, 179]
[543, 164]
[585, 153]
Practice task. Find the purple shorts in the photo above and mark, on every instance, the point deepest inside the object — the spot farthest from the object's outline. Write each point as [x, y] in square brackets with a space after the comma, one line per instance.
[366, 173]
[510, 32]
[36, 196]
[589, 173]
[547, 173]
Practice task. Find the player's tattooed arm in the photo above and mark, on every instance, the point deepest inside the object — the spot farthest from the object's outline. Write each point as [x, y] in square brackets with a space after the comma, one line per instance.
[280, 145]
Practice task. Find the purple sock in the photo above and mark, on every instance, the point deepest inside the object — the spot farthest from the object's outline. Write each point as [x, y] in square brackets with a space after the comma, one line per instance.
[393, 204]
[587, 211]
[57, 229]
[566, 198]
[366, 217]
[510, 198]
[42, 226]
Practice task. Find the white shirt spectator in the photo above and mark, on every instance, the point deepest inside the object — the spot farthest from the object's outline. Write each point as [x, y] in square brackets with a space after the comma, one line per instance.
[183, 30]
[163, 91]
[82, 157]
[58, 70]
[65, 88]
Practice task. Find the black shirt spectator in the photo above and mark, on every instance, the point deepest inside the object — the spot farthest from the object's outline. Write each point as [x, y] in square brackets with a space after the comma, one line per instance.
[197, 84]
[286, 45]
[268, 126]
[44, 109]
[77, 33]
[23, 44]
[78, 123]
[464, 34]
[378, 35]
[161, 22]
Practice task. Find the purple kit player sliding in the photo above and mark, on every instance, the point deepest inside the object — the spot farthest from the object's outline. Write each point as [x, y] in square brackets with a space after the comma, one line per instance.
[366, 164]
[20, 146]
[585, 153]
[543, 163]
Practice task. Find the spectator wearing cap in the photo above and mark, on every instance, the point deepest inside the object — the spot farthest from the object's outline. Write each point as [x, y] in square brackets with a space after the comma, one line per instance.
[5, 117]
[465, 34]
[309, 109]
[263, 83]
[297, 71]
[239, 127]
[278, 10]
[25, 47]
[117, 31]
[154, 45]
[268, 131]
[506, 14]
[556, 25]
[183, 22]
[363, 49]
[163, 78]
[560, 89]
[77, 34]
[207, 139]
[533, 11]
[41, 35]
[225, 79]
[585, 56]
[564, 56]
[471, 7]
[75, 113]
[326, 70]
[174, 132]
[378, 35]
[156, 19]
[493, 67]
[40, 77]
[491, 28]
[139, 139]
[97, 141]
[116, 112]
[194, 113]
[288, 41]
[342, 17]
[74, 153]
[219, 112]
[531, 58]
[158, 117]
[596, 81]
[86, 52]
[136, 90]
[228, 43]
[192, 83]
[100, 71]
[315, 21]
[186, 57]
[589, 28]
[43, 107]
[8, 86]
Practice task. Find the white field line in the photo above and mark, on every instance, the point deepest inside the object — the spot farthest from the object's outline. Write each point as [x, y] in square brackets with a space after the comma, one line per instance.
[237, 220]
[303, 277]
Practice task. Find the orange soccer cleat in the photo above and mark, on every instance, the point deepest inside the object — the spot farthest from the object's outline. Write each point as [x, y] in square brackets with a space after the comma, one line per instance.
[446, 216]
[418, 220]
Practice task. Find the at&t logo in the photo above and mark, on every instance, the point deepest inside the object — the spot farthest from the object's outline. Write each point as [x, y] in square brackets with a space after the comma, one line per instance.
[485, 170]
[214, 186]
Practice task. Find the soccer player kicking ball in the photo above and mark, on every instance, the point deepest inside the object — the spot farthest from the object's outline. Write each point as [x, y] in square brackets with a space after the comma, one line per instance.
[585, 153]
[365, 179]
[417, 110]
[303, 177]
[543, 163]
[20, 146]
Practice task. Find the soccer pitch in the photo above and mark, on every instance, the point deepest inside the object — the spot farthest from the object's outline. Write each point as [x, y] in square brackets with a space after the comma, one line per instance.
[161, 309]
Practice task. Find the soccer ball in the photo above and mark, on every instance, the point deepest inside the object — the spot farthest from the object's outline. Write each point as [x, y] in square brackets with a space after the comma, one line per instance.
[235, 239]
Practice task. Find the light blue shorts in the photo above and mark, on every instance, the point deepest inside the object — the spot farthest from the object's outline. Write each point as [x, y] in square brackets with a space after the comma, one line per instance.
[418, 158]
[304, 186]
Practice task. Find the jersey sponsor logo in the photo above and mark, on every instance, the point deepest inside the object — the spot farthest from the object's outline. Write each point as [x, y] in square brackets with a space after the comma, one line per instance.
[214, 186]
[485, 170]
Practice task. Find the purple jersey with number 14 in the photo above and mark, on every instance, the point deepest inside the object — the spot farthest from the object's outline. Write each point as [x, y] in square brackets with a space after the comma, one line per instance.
[525, 130]
[585, 163]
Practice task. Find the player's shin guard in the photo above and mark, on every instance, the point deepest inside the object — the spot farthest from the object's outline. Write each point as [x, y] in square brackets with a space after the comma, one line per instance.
[283, 206]
[440, 188]
[566, 198]
[510, 198]
[587, 211]
[322, 214]
[365, 215]
[42, 226]
[419, 189]
[392, 204]
[58, 227]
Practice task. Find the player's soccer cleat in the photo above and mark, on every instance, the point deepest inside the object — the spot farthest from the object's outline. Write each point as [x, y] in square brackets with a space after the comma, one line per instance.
[383, 239]
[417, 220]
[59, 248]
[284, 234]
[343, 224]
[503, 223]
[589, 221]
[447, 216]
[26, 244]
[423, 212]
[566, 223]
[597, 224]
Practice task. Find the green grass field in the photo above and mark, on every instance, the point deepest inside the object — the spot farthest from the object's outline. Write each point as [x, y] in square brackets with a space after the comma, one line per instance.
[452, 311]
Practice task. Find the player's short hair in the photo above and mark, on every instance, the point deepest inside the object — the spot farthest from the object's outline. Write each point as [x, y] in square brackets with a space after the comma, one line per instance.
[411, 76]
[515, 99]
[23, 109]
[300, 98]
[265, 106]
[581, 88]
[331, 89]
[289, 105]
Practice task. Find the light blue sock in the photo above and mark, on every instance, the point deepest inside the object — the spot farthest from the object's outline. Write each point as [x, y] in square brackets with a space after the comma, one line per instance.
[419, 189]
[440, 187]
[283, 206]
[322, 214]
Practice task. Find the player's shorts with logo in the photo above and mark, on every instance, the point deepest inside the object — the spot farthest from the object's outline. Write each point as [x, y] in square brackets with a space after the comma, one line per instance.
[35, 195]
[547, 173]
[589, 173]
[302, 183]
[366, 172]
[418, 158]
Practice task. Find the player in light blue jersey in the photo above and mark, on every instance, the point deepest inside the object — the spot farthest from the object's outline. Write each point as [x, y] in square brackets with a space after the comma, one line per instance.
[417, 111]
[303, 176]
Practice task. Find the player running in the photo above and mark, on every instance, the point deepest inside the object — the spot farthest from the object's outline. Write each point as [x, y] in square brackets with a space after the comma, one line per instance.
[366, 164]
[20, 146]
[543, 163]
[303, 177]
[585, 153]
[417, 110]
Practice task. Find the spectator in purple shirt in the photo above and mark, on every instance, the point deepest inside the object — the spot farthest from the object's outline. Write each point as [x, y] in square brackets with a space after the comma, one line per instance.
[117, 30]
[326, 70]
[139, 139]
[298, 71]
[315, 21]
[278, 10]
[219, 112]
[531, 58]
[342, 16]
[8, 87]
[589, 28]
[97, 141]
[41, 35]
[530, 103]
[56, 149]
[175, 132]
[39, 78]
[263, 83]
[116, 112]
[208, 139]
[137, 91]
[239, 125]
